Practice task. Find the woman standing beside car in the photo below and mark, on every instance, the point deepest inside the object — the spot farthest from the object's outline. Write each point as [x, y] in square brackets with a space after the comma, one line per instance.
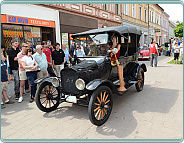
[30, 65]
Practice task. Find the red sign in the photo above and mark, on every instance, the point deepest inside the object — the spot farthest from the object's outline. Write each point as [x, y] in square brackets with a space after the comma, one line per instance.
[26, 21]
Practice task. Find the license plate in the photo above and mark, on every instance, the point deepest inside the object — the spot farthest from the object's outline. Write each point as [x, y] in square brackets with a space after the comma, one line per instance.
[71, 98]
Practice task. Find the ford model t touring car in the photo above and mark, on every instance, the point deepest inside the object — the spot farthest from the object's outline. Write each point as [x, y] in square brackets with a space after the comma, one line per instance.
[93, 80]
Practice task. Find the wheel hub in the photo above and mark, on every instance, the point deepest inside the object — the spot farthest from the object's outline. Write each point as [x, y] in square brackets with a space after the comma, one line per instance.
[102, 105]
[49, 96]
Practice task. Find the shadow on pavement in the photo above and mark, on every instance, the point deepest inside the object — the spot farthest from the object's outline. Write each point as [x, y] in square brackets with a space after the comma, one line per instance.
[122, 122]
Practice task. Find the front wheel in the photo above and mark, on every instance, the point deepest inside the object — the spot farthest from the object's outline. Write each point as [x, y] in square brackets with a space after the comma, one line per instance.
[139, 85]
[100, 105]
[47, 97]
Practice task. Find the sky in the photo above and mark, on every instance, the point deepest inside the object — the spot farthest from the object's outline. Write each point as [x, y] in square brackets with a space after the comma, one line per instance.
[175, 11]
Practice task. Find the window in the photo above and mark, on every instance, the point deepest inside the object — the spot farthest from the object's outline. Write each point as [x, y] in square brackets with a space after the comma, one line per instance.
[145, 15]
[140, 13]
[116, 9]
[133, 11]
[126, 9]
[160, 21]
[104, 7]
[152, 16]
[155, 18]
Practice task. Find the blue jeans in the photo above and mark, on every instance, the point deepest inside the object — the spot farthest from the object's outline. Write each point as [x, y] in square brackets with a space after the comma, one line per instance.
[154, 56]
[16, 81]
[32, 76]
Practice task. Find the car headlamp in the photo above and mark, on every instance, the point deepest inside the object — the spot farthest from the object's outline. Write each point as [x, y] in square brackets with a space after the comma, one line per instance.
[80, 84]
[55, 81]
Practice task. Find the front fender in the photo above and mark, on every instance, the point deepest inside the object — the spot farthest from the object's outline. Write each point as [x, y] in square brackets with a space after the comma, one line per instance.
[48, 79]
[97, 82]
[143, 66]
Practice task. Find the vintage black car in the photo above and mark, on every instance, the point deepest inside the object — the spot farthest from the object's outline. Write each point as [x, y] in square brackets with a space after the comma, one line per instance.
[93, 80]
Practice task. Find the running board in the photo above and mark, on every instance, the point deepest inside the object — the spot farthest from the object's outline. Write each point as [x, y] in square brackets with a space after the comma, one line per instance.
[133, 82]
[116, 82]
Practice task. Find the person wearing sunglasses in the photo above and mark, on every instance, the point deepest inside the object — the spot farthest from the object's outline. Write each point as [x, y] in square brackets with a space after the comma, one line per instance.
[41, 59]
[22, 72]
[30, 65]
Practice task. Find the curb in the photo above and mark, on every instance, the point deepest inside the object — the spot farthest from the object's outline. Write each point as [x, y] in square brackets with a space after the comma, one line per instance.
[169, 60]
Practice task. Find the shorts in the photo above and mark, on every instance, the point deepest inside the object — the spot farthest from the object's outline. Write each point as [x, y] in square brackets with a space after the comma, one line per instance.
[176, 55]
[4, 85]
[22, 75]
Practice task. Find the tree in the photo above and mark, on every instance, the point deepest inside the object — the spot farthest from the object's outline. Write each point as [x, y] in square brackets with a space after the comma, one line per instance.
[178, 32]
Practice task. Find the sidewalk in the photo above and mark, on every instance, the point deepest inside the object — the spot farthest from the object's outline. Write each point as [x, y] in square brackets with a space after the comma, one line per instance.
[154, 113]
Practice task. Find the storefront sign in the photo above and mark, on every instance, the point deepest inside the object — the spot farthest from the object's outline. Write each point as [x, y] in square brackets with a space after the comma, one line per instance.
[27, 21]
[65, 39]
[70, 36]
[152, 30]
[13, 34]
[19, 34]
[157, 30]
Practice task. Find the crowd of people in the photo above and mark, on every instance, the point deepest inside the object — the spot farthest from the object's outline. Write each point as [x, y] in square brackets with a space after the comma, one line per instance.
[175, 47]
[25, 64]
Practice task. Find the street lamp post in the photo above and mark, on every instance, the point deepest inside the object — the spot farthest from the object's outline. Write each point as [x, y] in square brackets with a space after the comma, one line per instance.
[148, 26]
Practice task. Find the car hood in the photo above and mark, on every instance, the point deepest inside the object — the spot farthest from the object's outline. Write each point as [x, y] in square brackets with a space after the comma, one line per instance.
[86, 64]
[143, 51]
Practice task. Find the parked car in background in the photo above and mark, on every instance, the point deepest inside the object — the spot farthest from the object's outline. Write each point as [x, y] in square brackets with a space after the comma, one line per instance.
[144, 52]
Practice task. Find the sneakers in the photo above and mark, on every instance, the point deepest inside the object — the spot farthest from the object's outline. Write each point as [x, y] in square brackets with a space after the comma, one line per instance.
[16, 96]
[2, 106]
[20, 99]
[9, 102]
[9, 97]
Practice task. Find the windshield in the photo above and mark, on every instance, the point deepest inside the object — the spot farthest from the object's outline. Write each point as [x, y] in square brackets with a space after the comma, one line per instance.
[92, 45]
[143, 47]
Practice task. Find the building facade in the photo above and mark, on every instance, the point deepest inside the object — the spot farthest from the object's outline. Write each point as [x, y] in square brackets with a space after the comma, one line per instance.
[76, 18]
[136, 15]
[155, 22]
[172, 26]
[165, 27]
[22, 22]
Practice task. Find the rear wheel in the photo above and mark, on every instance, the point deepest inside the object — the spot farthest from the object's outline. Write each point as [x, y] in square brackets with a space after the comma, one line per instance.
[139, 85]
[47, 97]
[100, 105]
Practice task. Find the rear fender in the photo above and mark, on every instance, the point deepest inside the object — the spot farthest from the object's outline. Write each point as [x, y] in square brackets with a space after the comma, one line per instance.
[97, 82]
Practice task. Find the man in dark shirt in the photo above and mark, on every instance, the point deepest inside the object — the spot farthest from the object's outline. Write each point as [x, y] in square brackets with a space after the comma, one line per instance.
[13, 62]
[58, 59]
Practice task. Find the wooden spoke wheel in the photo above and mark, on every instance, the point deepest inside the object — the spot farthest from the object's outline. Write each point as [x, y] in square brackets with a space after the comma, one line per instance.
[47, 97]
[100, 105]
[139, 85]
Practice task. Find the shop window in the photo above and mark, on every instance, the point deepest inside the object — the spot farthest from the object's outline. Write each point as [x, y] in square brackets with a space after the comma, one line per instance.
[12, 32]
[32, 34]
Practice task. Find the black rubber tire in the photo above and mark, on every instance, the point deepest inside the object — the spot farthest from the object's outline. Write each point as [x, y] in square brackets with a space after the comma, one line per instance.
[94, 100]
[138, 87]
[38, 101]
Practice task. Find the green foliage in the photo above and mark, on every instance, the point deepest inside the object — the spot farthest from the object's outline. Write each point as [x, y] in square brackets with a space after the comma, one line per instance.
[178, 32]
[172, 62]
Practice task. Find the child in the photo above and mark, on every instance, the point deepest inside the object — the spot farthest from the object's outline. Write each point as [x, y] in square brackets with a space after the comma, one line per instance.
[4, 83]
